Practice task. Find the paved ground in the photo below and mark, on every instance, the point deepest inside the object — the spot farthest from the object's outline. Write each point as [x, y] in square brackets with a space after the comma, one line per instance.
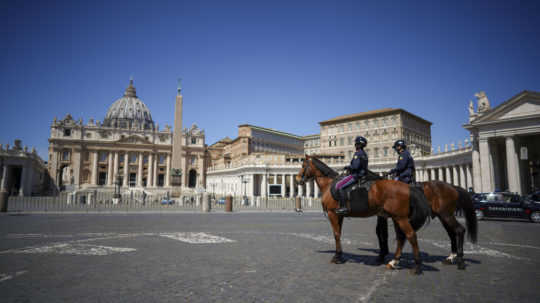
[250, 257]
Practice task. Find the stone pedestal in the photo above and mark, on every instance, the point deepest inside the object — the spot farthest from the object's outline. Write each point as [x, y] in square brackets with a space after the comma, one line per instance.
[206, 207]
[228, 204]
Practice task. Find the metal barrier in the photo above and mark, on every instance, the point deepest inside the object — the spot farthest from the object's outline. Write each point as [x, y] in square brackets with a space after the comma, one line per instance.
[92, 201]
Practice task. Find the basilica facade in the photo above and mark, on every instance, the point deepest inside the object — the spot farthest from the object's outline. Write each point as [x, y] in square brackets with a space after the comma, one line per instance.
[128, 149]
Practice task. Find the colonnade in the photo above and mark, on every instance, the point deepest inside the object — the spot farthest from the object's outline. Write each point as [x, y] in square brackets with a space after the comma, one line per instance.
[259, 185]
[458, 175]
[113, 163]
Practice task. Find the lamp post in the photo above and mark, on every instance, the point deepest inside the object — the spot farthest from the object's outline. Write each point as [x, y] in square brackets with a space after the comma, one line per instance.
[117, 184]
[244, 182]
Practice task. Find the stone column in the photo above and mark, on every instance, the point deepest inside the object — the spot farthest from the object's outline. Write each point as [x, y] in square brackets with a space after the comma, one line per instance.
[23, 191]
[168, 171]
[448, 175]
[155, 171]
[455, 178]
[462, 180]
[470, 183]
[110, 170]
[94, 167]
[115, 166]
[485, 165]
[3, 190]
[76, 165]
[300, 190]
[308, 189]
[3, 181]
[316, 187]
[140, 170]
[264, 186]
[150, 171]
[126, 170]
[291, 193]
[476, 168]
[440, 177]
[512, 166]
[283, 187]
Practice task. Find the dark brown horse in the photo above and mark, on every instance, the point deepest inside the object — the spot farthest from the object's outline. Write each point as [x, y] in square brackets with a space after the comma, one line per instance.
[444, 200]
[387, 198]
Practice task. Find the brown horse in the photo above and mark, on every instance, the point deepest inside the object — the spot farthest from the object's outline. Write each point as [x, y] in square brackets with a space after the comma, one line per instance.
[408, 208]
[444, 200]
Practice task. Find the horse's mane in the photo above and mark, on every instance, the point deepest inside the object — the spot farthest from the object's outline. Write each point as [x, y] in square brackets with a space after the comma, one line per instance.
[371, 176]
[325, 169]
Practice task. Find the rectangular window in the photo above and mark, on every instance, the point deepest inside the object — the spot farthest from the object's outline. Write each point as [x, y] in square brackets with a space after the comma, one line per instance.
[350, 126]
[349, 140]
[132, 158]
[103, 156]
[161, 159]
[193, 140]
[145, 159]
[67, 132]
[341, 141]
[65, 155]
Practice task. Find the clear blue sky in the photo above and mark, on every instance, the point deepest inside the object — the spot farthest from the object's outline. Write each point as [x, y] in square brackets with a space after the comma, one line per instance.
[279, 64]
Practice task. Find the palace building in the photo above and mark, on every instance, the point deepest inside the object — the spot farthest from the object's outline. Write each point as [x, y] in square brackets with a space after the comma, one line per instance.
[128, 148]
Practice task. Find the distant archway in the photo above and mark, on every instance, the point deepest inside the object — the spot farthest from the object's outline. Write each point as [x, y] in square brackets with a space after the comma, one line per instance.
[192, 182]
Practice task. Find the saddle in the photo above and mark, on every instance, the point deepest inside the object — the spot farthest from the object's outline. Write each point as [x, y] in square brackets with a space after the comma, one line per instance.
[356, 194]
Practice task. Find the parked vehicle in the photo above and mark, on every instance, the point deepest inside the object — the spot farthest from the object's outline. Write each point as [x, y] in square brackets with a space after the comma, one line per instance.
[221, 201]
[167, 202]
[505, 205]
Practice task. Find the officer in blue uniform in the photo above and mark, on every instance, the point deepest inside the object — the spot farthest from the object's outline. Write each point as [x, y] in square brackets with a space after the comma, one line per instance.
[357, 169]
[404, 170]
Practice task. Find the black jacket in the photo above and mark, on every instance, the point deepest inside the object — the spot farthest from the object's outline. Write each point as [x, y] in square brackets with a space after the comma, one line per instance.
[359, 164]
[404, 167]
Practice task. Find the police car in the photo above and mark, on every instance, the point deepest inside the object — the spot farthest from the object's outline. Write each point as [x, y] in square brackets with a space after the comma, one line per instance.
[506, 205]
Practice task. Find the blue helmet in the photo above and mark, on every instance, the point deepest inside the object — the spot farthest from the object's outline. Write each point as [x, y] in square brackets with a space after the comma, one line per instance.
[361, 141]
[399, 143]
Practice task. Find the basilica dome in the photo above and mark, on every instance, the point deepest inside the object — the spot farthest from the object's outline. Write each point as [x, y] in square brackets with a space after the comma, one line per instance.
[129, 112]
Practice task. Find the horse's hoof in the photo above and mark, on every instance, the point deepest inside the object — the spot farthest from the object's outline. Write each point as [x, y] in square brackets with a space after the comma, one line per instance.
[416, 270]
[392, 264]
[447, 262]
[337, 260]
[461, 265]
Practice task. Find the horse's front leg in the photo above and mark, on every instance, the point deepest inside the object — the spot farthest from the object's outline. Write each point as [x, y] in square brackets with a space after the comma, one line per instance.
[336, 222]
[400, 237]
[409, 232]
[382, 236]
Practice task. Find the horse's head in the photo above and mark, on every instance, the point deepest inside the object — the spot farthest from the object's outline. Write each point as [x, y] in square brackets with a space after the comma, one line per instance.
[307, 172]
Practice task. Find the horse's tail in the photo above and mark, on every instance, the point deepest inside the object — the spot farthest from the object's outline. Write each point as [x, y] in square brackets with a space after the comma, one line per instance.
[465, 203]
[420, 210]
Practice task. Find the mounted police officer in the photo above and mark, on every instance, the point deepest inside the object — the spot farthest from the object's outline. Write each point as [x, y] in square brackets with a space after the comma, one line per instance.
[357, 169]
[404, 170]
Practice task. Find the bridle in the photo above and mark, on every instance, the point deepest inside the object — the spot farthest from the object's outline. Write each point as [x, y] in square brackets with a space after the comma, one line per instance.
[304, 172]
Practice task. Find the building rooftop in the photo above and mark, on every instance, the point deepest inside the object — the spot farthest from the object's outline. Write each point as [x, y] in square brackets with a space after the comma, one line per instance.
[368, 114]
[269, 130]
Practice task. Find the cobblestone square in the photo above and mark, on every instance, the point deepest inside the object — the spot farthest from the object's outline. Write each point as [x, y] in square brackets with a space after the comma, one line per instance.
[251, 257]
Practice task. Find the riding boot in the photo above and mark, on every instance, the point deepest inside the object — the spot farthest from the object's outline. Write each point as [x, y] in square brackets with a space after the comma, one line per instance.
[342, 210]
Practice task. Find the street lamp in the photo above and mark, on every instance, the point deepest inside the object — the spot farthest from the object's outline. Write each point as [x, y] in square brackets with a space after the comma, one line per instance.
[244, 182]
[117, 185]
